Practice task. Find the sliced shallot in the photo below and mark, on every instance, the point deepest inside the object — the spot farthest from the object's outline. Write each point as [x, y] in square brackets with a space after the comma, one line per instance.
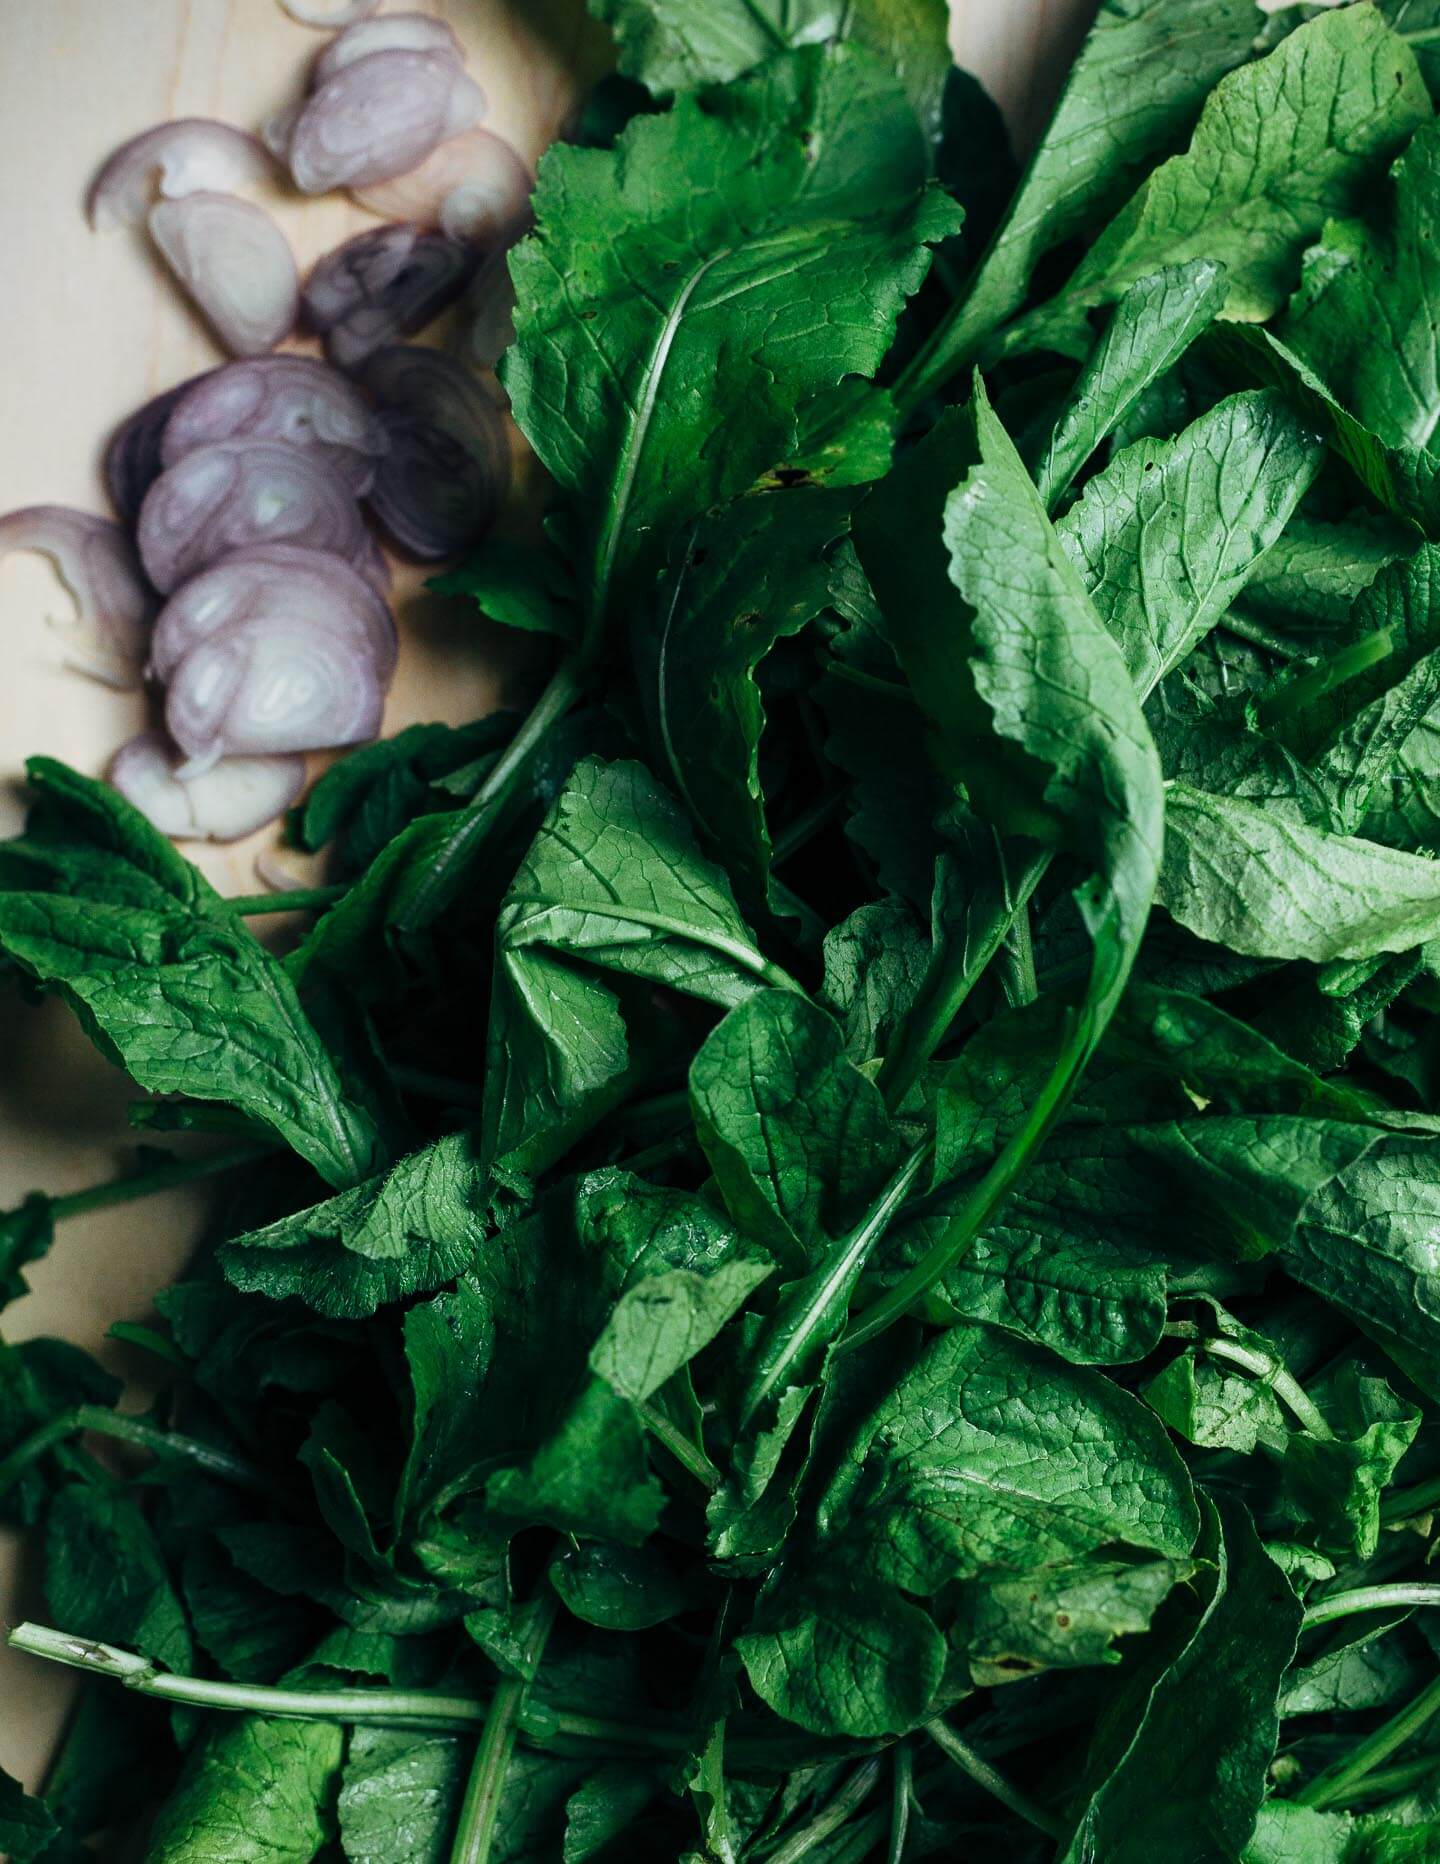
[133, 459]
[473, 186]
[384, 284]
[97, 563]
[274, 582]
[329, 18]
[240, 492]
[235, 263]
[379, 117]
[395, 32]
[230, 799]
[446, 473]
[192, 155]
[297, 399]
[270, 686]
[276, 130]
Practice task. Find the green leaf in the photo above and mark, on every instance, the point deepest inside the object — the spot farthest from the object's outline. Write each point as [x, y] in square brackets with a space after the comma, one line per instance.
[399, 1796]
[365, 800]
[987, 1454]
[167, 980]
[1141, 76]
[518, 586]
[612, 882]
[759, 571]
[1150, 329]
[252, 1792]
[844, 1658]
[1061, 1617]
[1168, 534]
[27, 1826]
[1377, 275]
[647, 317]
[1241, 875]
[661, 1322]
[1281, 146]
[1206, 1722]
[400, 1234]
[1336, 1483]
[798, 1138]
[1405, 480]
[590, 1478]
[673, 45]
[620, 1588]
[106, 1577]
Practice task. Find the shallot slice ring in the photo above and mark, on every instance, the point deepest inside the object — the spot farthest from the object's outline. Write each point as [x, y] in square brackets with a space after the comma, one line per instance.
[98, 565]
[379, 117]
[392, 32]
[235, 264]
[189, 156]
[329, 19]
[233, 798]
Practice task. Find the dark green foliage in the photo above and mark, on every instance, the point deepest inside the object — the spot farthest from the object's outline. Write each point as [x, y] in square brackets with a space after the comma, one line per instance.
[838, 1252]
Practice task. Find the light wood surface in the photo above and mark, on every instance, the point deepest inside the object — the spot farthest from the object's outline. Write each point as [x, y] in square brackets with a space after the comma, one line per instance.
[90, 329]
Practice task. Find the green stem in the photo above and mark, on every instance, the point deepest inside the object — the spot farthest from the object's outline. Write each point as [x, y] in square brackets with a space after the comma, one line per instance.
[901, 1788]
[1336, 1782]
[819, 1303]
[987, 1196]
[540, 1726]
[1404, 1503]
[1017, 958]
[446, 873]
[689, 1455]
[852, 1795]
[1271, 1370]
[156, 1178]
[161, 1443]
[1296, 695]
[1390, 1782]
[295, 900]
[480, 1809]
[1371, 1599]
[949, 984]
[983, 1774]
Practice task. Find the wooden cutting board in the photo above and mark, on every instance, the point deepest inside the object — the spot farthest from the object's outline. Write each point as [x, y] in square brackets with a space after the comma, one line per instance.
[90, 329]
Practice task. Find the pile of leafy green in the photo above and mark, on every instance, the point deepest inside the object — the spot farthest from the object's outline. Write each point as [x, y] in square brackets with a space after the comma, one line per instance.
[829, 1248]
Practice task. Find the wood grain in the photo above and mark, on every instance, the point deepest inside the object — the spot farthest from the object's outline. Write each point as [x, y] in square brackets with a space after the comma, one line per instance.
[89, 329]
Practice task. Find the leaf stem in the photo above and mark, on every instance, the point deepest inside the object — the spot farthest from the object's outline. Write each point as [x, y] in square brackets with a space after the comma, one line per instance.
[1271, 1370]
[852, 1795]
[986, 1197]
[1388, 1782]
[156, 1178]
[480, 1809]
[803, 827]
[1405, 1503]
[291, 900]
[983, 1774]
[207, 1457]
[819, 1302]
[430, 895]
[949, 984]
[690, 1456]
[902, 1785]
[1371, 1599]
[1337, 1781]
